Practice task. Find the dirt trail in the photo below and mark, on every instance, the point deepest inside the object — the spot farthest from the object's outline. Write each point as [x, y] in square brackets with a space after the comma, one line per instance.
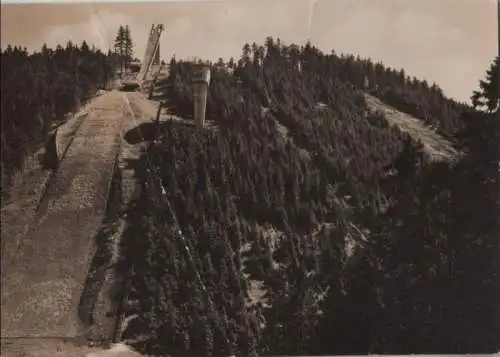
[44, 272]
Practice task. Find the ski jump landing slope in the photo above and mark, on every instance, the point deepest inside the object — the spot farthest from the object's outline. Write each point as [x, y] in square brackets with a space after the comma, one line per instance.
[43, 280]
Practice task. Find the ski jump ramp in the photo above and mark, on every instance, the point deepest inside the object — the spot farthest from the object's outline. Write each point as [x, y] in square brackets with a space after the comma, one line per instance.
[44, 274]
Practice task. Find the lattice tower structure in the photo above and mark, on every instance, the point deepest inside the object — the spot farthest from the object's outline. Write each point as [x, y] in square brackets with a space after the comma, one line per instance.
[152, 51]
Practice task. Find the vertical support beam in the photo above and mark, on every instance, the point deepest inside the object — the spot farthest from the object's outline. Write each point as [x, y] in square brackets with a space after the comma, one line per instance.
[156, 60]
[158, 113]
[201, 81]
[155, 49]
[145, 58]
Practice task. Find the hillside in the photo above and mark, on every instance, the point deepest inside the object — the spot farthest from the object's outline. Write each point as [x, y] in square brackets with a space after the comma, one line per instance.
[331, 206]
[309, 223]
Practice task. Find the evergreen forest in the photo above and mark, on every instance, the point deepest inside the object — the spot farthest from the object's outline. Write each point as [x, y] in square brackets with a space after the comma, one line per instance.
[38, 90]
[352, 240]
[301, 222]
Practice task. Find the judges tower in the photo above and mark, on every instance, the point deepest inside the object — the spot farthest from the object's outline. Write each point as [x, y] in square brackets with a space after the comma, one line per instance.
[201, 81]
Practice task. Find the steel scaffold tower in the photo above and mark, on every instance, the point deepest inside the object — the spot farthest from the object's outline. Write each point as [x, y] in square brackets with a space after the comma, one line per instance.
[152, 51]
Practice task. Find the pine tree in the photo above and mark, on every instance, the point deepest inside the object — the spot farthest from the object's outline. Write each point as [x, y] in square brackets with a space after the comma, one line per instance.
[489, 94]
[128, 46]
[119, 46]
[124, 47]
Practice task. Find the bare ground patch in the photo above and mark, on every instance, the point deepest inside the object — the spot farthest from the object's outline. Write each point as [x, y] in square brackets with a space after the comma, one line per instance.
[435, 145]
[286, 135]
[47, 347]
[256, 290]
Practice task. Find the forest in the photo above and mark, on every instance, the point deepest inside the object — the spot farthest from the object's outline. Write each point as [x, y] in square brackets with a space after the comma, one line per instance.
[301, 223]
[38, 90]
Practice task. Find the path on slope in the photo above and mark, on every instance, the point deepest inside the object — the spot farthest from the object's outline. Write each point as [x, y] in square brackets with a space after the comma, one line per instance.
[42, 282]
[437, 147]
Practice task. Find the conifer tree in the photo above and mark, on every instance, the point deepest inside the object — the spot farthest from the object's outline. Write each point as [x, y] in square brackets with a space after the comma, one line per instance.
[128, 46]
[119, 47]
[124, 47]
[488, 95]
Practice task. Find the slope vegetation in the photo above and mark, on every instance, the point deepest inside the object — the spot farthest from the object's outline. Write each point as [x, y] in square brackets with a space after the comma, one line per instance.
[308, 223]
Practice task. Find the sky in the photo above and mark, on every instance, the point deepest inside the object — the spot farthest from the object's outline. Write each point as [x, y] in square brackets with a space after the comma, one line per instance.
[449, 42]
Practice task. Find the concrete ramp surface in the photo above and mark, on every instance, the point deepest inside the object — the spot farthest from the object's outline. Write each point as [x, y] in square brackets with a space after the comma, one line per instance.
[43, 279]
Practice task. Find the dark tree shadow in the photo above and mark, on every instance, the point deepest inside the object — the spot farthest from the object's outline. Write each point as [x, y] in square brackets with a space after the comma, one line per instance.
[49, 159]
[101, 261]
[141, 133]
[183, 110]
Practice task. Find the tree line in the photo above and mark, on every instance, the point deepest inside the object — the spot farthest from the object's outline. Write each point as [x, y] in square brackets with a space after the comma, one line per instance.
[124, 47]
[39, 89]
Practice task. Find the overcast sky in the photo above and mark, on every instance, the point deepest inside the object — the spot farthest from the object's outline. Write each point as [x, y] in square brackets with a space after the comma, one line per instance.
[450, 42]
